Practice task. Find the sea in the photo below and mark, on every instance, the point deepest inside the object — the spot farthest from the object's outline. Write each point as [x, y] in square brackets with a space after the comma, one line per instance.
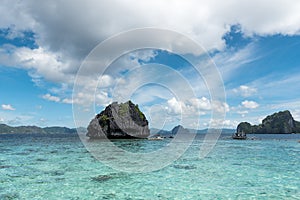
[37, 166]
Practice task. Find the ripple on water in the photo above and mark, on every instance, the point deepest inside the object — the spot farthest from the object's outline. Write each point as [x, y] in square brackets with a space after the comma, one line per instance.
[5, 166]
[106, 177]
[57, 173]
[9, 196]
[41, 159]
[102, 178]
[187, 167]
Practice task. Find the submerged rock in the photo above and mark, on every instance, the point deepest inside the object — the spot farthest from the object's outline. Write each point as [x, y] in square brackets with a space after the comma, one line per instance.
[105, 177]
[187, 167]
[102, 178]
[8, 196]
[124, 120]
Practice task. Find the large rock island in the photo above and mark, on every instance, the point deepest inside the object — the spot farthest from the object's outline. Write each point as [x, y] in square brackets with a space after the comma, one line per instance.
[281, 122]
[124, 120]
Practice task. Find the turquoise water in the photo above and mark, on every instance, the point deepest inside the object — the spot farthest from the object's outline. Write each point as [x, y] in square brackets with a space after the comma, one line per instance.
[59, 167]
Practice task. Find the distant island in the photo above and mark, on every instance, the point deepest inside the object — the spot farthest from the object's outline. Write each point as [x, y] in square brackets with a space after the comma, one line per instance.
[277, 123]
[155, 131]
[5, 129]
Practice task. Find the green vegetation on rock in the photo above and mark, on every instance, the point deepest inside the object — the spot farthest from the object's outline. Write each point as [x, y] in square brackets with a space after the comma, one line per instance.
[142, 116]
[123, 109]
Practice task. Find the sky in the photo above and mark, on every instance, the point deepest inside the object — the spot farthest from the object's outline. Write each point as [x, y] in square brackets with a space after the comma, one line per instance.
[53, 71]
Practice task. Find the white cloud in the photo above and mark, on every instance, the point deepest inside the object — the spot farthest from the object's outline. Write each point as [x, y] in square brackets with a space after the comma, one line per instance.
[144, 55]
[245, 91]
[195, 106]
[59, 29]
[63, 44]
[242, 112]
[285, 85]
[7, 107]
[220, 123]
[229, 61]
[250, 104]
[220, 107]
[41, 62]
[105, 81]
[67, 101]
[296, 114]
[174, 106]
[49, 97]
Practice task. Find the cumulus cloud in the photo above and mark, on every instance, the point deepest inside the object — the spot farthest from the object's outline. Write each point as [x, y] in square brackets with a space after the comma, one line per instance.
[220, 107]
[195, 106]
[49, 97]
[219, 123]
[250, 104]
[245, 91]
[7, 107]
[59, 28]
[62, 43]
[175, 106]
[40, 62]
[205, 19]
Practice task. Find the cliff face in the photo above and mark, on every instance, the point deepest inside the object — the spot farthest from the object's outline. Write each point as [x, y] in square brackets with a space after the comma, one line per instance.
[281, 122]
[123, 120]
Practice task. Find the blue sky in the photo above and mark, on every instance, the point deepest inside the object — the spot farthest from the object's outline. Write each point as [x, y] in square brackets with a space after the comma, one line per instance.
[42, 49]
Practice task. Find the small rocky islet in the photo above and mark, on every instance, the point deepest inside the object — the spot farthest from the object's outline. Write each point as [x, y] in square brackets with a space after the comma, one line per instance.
[119, 121]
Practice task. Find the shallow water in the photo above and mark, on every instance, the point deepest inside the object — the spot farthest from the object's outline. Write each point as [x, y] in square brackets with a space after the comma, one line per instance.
[60, 167]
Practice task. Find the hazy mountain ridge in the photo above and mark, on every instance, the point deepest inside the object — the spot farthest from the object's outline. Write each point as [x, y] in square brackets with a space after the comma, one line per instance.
[6, 129]
[202, 131]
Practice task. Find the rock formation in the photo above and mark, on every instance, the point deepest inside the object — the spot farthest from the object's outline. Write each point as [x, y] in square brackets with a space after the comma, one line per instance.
[281, 122]
[124, 120]
[179, 128]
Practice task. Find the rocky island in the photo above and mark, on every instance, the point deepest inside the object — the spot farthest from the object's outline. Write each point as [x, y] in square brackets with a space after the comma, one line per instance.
[124, 120]
[6, 129]
[277, 123]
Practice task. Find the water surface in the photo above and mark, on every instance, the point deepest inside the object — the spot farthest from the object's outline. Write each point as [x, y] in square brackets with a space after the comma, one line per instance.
[59, 167]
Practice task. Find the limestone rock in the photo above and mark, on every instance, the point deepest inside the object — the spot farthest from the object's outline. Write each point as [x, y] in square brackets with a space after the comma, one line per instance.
[124, 120]
[281, 122]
